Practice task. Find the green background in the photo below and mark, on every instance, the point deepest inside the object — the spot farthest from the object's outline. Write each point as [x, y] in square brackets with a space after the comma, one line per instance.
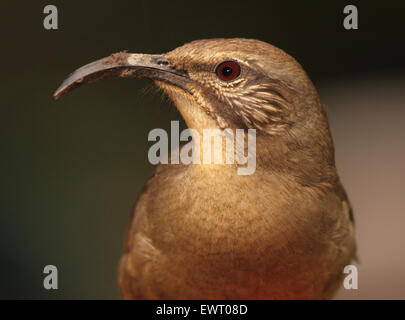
[72, 169]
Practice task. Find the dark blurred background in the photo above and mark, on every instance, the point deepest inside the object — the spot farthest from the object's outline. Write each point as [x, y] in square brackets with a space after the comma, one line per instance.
[71, 169]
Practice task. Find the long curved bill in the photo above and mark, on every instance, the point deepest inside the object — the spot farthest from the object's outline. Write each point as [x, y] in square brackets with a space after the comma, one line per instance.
[125, 65]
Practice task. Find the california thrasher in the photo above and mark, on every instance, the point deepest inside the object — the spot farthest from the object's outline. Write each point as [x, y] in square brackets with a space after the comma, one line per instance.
[202, 231]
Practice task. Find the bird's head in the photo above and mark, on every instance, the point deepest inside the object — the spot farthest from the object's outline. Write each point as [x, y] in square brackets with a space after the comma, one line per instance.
[229, 83]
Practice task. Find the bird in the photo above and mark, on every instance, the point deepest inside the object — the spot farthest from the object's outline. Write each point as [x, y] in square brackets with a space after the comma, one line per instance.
[203, 231]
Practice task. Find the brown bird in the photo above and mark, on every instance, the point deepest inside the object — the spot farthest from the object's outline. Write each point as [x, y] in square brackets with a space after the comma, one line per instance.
[203, 231]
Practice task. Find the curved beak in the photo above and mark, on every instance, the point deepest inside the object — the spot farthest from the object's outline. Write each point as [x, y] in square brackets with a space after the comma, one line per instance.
[125, 65]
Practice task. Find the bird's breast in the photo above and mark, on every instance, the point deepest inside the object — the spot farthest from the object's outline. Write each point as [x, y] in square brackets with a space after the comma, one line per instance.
[237, 233]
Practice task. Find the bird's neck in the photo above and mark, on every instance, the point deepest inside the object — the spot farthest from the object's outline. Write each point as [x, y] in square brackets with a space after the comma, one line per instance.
[310, 160]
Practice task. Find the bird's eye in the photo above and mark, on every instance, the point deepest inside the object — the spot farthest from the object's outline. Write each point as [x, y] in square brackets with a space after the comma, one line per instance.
[228, 70]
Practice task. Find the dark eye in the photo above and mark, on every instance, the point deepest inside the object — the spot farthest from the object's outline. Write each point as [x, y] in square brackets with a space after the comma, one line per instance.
[228, 70]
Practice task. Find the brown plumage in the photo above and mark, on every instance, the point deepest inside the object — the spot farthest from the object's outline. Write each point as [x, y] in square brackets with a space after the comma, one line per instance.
[202, 231]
